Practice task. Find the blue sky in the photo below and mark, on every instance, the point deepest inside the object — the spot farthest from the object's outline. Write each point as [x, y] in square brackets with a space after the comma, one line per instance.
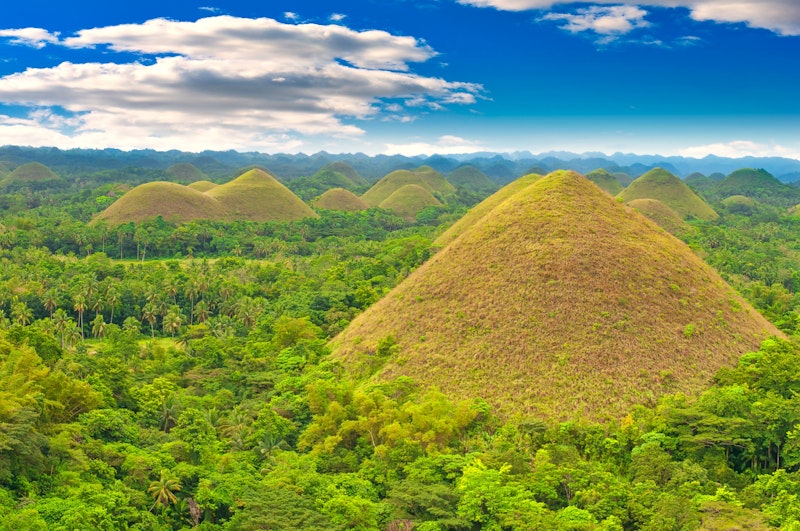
[688, 77]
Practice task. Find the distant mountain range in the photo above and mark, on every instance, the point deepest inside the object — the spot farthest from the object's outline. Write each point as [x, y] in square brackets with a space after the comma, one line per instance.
[500, 167]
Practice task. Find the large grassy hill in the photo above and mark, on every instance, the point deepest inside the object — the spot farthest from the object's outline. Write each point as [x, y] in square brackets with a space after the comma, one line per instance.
[559, 302]
[253, 196]
[424, 176]
[660, 184]
[173, 202]
[340, 199]
[661, 214]
[409, 200]
[30, 174]
[757, 184]
[258, 196]
[330, 176]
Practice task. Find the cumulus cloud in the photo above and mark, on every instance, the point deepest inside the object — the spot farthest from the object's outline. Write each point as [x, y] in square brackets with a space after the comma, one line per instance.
[780, 16]
[337, 17]
[741, 148]
[35, 37]
[614, 20]
[225, 82]
[444, 145]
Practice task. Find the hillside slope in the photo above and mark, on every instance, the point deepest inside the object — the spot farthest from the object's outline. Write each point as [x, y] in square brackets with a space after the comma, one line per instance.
[424, 176]
[660, 184]
[340, 199]
[559, 302]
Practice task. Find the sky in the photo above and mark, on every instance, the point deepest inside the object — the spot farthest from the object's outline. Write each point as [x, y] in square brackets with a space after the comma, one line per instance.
[667, 77]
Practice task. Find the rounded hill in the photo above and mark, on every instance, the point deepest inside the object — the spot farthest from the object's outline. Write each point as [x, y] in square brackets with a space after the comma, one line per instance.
[409, 200]
[185, 172]
[560, 302]
[424, 176]
[32, 173]
[758, 184]
[258, 196]
[344, 170]
[471, 178]
[173, 202]
[340, 199]
[660, 184]
[605, 181]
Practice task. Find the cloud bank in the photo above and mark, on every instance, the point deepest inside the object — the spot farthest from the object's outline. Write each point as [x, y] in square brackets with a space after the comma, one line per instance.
[220, 82]
[779, 16]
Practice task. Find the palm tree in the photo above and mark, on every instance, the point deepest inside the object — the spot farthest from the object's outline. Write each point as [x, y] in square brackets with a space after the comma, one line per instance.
[171, 322]
[201, 311]
[112, 300]
[163, 490]
[60, 322]
[21, 313]
[98, 326]
[170, 409]
[79, 305]
[149, 314]
[71, 334]
[50, 301]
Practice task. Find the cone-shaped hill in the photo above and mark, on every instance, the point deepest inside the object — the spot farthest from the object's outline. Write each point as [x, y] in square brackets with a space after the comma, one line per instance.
[258, 196]
[661, 214]
[471, 178]
[344, 170]
[30, 174]
[484, 207]
[185, 172]
[660, 184]
[605, 181]
[340, 199]
[173, 202]
[253, 196]
[424, 176]
[202, 186]
[758, 184]
[409, 200]
[560, 302]
[330, 176]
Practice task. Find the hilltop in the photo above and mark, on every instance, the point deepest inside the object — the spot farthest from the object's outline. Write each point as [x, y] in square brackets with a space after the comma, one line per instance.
[409, 200]
[202, 186]
[30, 174]
[424, 176]
[606, 181]
[664, 186]
[472, 179]
[757, 184]
[253, 196]
[258, 196]
[173, 202]
[558, 302]
[185, 172]
[484, 207]
[340, 199]
[330, 176]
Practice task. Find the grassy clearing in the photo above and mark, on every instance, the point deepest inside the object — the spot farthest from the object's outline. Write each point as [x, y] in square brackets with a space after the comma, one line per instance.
[558, 302]
[662, 185]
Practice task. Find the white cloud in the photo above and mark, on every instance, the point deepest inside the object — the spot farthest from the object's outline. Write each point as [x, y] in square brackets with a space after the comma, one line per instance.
[741, 148]
[614, 20]
[780, 16]
[337, 17]
[223, 82]
[289, 15]
[209, 9]
[444, 145]
[34, 37]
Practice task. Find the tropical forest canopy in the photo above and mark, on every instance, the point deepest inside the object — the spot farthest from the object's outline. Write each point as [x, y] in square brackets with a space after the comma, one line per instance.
[157, 375]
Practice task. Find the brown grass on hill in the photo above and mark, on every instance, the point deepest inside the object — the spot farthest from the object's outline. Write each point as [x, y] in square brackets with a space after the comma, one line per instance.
[340, 199]
[171, 201]
[186, 172]
[32, 172]
[484, 207]
[409, 200]
[253, 196]
[660, 184]
[258, 196]
[424, 176]
[202, 186]
[661, 214]
[561, 303]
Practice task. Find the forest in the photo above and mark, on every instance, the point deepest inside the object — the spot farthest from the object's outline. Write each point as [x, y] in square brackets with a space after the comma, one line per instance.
[158, 376]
